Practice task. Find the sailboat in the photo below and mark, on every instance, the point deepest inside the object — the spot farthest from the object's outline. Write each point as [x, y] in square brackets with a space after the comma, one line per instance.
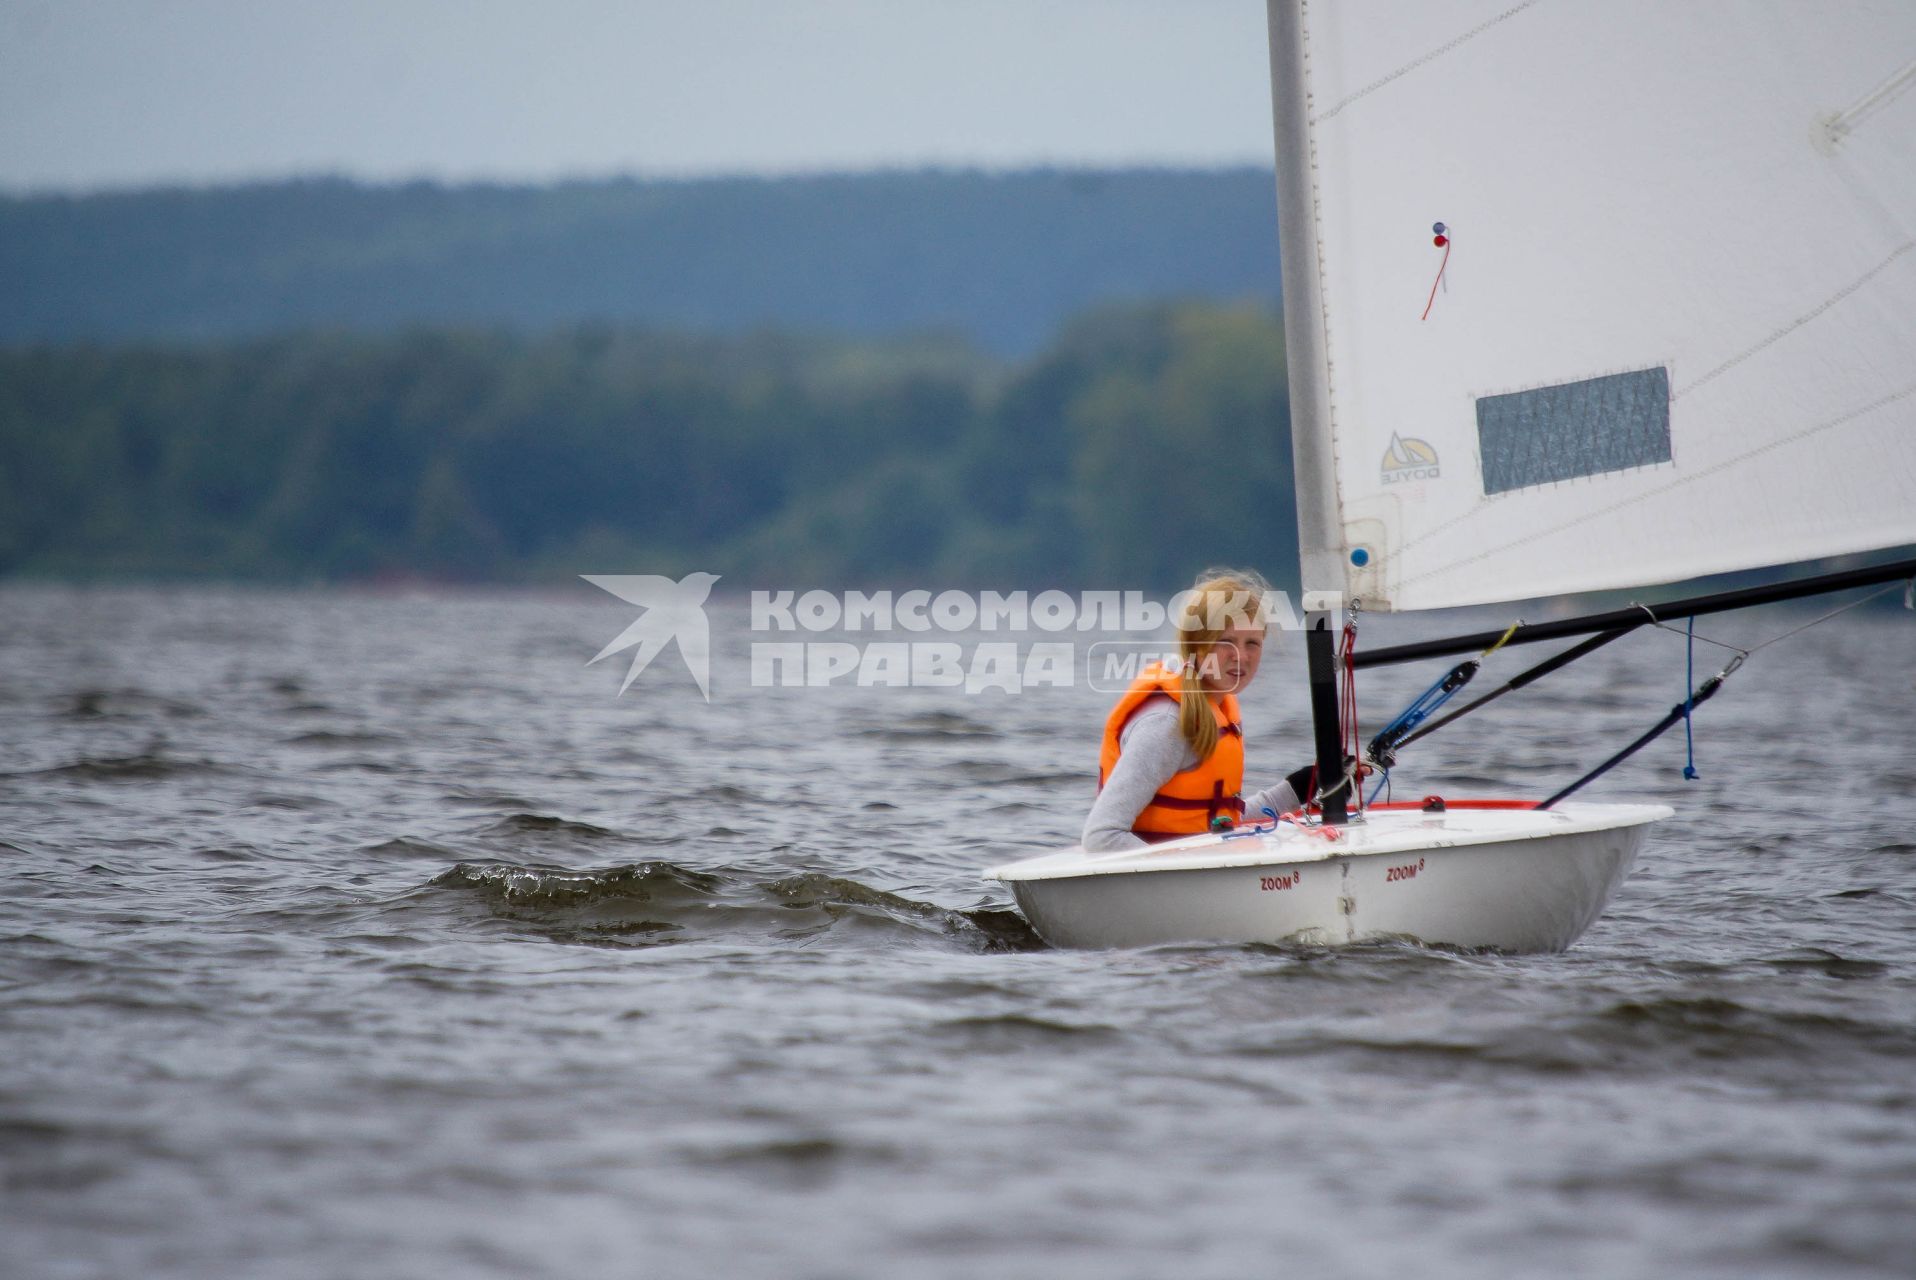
[1577, 298]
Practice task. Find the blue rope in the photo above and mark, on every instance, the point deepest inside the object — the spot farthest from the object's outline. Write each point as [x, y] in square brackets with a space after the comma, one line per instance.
[1256, 830]
[1383, 781]
[1689, 701]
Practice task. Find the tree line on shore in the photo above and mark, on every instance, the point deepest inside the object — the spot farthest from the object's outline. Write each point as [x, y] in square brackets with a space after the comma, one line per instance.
[1143, 441]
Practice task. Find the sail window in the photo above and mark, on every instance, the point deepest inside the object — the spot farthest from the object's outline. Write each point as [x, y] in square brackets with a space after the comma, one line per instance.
[1573, 429]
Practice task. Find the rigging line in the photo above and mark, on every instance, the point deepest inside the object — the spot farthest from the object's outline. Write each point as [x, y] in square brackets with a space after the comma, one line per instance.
[1432, 56]
[1857, 603]
[1697, 698]
[1721, 644]
[1400, 729]
[1502, 640]
[1570, 655]
[1894, 586]
[1801, 320]
[1841, 420]
[1522, 678]
[1881, 96]
[1595, 642]
[1352, 744]
[1690, 773]
[1403, 729]
[1688, 635]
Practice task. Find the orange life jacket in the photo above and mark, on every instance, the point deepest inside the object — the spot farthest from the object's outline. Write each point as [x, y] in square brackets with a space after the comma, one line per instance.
[1193, 799]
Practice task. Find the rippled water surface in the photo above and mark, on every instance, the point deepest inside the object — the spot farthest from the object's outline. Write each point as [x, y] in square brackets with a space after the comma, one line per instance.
[360, 935]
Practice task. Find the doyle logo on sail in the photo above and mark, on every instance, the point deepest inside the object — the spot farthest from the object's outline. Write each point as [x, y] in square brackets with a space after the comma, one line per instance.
[1408, 458]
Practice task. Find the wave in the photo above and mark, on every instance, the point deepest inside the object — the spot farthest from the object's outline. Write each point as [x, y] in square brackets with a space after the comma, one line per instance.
[651, 903]
[999, 774]
[919, 726]
[725, 793]
[1648, 1036]
[225, 853]
[289, 801]
[147, 766]
[1016, 1032]
[337, 738]
[547, 824]
[407, 847]
[799, 1162]
[124, 704]
[488, 799]
[1829, 963]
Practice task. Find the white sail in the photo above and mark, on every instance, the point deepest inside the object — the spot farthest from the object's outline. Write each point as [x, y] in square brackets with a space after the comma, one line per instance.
[1675, 333]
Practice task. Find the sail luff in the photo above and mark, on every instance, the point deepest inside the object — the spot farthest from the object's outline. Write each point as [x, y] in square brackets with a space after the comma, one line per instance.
[1307, 355]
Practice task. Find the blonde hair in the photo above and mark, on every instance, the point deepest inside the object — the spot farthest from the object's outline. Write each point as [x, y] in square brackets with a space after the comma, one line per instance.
[1217, 601]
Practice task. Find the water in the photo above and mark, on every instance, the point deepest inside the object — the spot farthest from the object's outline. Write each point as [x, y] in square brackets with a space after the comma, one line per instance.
[350, 934]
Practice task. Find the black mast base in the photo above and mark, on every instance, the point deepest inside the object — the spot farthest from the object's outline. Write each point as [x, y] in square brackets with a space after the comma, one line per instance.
[1320, 652]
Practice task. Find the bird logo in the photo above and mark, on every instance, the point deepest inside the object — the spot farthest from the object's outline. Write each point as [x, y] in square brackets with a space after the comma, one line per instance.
[673, 611]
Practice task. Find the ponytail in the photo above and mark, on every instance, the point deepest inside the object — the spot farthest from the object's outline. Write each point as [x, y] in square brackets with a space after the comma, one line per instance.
[1195, 720]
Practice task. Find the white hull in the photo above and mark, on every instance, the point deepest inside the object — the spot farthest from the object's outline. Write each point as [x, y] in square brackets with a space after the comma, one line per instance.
[1509, 879]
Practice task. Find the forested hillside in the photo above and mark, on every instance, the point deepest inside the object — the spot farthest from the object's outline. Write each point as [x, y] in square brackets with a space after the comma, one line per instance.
[1002, 260]
[1142, 442]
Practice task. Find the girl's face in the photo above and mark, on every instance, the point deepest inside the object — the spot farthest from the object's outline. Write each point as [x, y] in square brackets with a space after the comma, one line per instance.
[1232, 663]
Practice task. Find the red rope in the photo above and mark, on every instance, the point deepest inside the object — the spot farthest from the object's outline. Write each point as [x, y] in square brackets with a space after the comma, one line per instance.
[1432, 300]
[1347, 710]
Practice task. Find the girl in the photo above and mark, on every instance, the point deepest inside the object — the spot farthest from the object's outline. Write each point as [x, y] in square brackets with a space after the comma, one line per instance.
[1172, 763]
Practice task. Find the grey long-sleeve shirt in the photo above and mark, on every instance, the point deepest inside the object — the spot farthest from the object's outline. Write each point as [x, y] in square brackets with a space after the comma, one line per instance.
[1152, 750]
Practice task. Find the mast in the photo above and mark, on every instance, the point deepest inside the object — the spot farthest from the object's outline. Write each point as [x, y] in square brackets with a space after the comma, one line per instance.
[1307, 355]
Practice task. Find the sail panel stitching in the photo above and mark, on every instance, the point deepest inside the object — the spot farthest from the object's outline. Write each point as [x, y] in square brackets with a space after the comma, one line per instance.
[1432, 56]
[1803, 319]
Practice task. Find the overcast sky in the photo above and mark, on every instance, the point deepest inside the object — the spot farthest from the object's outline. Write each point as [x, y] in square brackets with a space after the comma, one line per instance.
[119, 93]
